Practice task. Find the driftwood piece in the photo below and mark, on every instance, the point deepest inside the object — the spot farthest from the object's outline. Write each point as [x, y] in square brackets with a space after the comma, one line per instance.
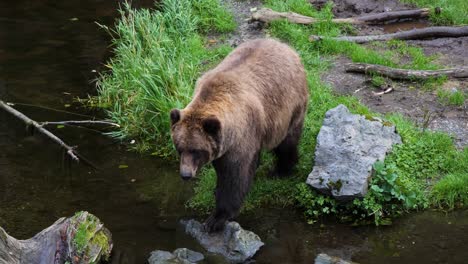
[404, 74]
[419, 33]
[267, 15]
[80, 239]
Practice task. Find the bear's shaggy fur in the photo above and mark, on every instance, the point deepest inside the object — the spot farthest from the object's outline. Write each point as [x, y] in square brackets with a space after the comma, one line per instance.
[255, 99]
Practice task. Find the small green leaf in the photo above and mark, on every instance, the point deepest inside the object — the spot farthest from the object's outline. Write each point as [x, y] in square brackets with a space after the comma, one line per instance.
[60, 126]
[123, 166]
[376, 188]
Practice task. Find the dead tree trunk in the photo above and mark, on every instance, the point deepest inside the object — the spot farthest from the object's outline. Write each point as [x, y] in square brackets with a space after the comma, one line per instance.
[59, 243]
[420, 33]
[404, 74]
[267, 15]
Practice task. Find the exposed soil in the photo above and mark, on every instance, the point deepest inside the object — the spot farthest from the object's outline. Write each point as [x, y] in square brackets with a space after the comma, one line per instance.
[424, 107]
[246, 29]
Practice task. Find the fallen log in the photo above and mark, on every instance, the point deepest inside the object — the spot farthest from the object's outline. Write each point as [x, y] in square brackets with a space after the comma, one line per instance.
[39, 127]
[267, 15]
[404, 74]
[80, 239]
[419, 33]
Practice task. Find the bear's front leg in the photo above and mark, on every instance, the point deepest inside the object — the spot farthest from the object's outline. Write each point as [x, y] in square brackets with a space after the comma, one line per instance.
[234, 177]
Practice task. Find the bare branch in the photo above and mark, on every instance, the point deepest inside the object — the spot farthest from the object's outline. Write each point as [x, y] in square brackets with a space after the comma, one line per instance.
[405, 74]
[419, 33]
[70, 150]
[79, 122]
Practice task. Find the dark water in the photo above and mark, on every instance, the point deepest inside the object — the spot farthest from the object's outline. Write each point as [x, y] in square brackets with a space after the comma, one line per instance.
[48, 51]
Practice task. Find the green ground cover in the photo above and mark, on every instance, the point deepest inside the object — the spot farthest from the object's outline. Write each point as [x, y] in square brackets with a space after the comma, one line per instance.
[159, 55]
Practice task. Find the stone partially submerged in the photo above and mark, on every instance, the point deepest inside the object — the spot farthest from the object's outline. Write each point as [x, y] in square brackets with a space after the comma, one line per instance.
[347, 147]
[179, 256]
[80, 239]
[323, 258]
[234, 243]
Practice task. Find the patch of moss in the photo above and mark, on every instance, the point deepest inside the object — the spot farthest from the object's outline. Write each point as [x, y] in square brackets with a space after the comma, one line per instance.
[387, 123]
[335, 185]
[370, 118]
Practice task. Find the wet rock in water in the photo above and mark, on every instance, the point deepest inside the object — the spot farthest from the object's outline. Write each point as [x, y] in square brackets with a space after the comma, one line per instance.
[347, 147]
[80, 239]
[234, 243]
[179, 256]
[323, 258]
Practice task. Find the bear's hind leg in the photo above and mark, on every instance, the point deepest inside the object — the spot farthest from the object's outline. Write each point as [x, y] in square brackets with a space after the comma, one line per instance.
[286, 152]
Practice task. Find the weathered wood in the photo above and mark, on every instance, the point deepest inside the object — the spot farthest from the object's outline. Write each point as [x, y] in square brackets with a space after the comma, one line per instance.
[58, 243]
[404, 74]
[267, 15]
[419, 33]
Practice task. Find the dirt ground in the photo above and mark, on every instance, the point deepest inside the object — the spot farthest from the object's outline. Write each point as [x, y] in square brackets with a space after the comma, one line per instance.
[423, 107]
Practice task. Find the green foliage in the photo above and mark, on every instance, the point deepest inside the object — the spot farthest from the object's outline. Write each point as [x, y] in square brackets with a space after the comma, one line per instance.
[451, 191]
[315, 205]
[158, 56]
[453, 11]
[456, 98]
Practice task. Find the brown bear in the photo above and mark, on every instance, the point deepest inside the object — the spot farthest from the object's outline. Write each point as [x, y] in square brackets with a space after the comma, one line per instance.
[255, 99]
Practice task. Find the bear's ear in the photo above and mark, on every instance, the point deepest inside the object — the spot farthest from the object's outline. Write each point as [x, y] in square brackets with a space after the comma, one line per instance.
[211, 125]
[175, 116]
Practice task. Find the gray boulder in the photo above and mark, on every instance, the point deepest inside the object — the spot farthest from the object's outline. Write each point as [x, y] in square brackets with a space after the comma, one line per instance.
[347, 147]
[323, 258]
[234, 243]
[179, 256]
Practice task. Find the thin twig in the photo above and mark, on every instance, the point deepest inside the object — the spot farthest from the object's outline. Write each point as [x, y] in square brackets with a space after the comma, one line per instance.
[49, 108]
[79, 122]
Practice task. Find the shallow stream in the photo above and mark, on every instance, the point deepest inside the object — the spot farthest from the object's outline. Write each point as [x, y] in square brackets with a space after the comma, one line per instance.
[49, 54]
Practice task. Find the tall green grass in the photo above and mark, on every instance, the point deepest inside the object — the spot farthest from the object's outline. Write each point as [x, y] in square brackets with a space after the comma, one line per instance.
[158, 56]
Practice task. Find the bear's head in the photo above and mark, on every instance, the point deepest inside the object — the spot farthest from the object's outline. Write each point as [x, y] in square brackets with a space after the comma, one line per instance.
[196, 139]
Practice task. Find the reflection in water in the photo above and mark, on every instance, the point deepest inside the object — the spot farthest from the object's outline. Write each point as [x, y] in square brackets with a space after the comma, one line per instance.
[48, 50]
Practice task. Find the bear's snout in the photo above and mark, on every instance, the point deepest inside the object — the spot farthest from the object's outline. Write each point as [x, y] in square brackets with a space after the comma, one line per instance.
[186, 175]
